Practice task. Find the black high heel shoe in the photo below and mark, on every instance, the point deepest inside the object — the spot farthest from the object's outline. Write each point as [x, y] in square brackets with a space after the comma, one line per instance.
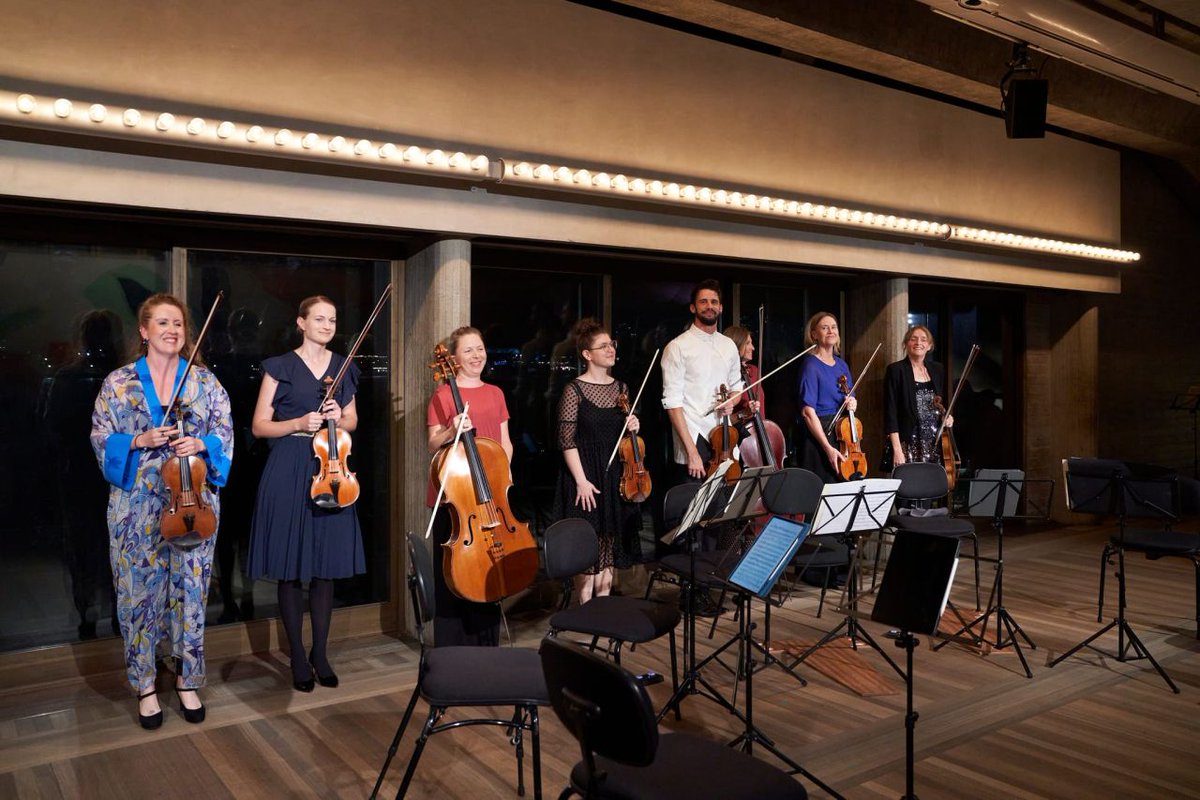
[330, 680]
[151, 722]
[305, 685]
[193, 715]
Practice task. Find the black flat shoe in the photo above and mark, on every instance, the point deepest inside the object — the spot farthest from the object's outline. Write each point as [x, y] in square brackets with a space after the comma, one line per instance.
[150, 722]
[329, 680]
[193, 715]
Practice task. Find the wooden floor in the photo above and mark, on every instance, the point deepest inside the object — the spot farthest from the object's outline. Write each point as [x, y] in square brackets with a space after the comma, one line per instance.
[1090, 727]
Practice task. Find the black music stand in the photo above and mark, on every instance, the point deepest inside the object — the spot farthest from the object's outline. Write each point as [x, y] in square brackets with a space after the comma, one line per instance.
[846, 511]
[755, 575]
[912, 597]
[998, 494]
[706, 506]
[1190, 402]
[1103, 486]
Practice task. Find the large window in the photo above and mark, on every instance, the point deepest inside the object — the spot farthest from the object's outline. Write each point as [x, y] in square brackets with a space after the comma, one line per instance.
[68, 320]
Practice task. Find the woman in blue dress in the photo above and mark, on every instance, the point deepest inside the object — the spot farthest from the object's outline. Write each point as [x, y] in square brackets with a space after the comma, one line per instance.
[820, 397]
[292, 540]
[162, 587]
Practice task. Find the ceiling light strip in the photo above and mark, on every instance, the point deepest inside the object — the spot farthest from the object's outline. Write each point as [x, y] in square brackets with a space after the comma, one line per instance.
[640, 188]
[222, 134]
[652, 189]
[50, 113]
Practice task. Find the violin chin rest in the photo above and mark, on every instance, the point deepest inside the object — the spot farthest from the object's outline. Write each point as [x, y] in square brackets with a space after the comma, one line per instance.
[326, 501]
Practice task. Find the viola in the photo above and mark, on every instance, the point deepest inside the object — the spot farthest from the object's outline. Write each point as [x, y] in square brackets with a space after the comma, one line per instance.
[635, 480]
[722, 439]
[186, 518]
[490, 554]
[849, 434]
[760, 430]
[944, 438]
[949, 450]
[334, 485]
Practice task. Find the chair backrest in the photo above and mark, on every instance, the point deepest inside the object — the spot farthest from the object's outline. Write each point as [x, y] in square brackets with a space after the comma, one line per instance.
[570, 548]
[793, 491]
[676, 501]
[600, 702]
[420, 579]
[920, 481]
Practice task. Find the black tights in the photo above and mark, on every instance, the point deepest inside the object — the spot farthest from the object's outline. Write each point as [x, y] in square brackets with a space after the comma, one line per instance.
[320, 607]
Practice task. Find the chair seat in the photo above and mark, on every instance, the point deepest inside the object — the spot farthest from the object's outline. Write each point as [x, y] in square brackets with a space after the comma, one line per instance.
[624, 618]
[934, 526]
[692, 767]
[514, 677]
[829, 554]
[1158, 543]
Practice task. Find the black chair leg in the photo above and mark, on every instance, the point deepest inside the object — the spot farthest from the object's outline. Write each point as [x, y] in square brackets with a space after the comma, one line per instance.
[434, 713]
[824, 589]
[518, 741]
[537, 753]
[396, 739]
[1196, 564]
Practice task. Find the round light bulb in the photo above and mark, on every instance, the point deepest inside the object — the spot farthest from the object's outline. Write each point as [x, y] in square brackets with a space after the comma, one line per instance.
[283, 137]
[336, 143]
[387, 150]
[225, 130]
[310, 141]
[254, 133]
[196, 126]
[165, 121]
[97, 112]
[131, 117]
[26, 103]
[362, 147]
[62, 108]
[413, 153]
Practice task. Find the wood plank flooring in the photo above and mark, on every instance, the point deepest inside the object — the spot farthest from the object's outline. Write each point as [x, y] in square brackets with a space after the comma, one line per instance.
[1090, 727]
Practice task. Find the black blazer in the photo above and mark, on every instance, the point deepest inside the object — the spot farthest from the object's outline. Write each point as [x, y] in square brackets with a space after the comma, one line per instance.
[900, 396]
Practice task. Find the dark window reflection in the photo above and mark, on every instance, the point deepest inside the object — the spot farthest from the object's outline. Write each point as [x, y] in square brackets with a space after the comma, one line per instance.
[527, 319]
[256, 320]
[68, 320]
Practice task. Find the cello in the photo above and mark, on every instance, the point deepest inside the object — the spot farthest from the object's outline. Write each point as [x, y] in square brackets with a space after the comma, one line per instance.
[187, 519]
[763, 443]
[334, 485]
[490, 554]
[854, 465]
[635, 480]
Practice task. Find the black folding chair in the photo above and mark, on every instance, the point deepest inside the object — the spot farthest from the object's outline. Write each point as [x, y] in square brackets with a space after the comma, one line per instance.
[571, 548]
[607, 710]
[921, 485]
[792, 492]
[456, 677]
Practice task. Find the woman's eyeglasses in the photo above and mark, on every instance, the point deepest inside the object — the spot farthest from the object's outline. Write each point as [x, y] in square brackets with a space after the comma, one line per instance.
[604, 346]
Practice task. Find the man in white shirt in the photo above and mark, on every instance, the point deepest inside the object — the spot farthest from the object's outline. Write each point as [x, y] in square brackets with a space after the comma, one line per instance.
[694, 365]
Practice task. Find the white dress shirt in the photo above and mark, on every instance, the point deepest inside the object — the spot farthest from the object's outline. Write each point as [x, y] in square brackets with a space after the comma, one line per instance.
[694, 365]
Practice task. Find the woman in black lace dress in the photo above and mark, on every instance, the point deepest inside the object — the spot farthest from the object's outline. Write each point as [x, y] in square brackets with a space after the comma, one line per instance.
[589, 423]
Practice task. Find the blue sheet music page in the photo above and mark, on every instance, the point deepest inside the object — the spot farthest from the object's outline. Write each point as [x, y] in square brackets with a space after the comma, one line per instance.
[767, 557]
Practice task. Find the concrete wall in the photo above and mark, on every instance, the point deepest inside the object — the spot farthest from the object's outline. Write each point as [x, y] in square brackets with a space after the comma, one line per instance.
[564, 83]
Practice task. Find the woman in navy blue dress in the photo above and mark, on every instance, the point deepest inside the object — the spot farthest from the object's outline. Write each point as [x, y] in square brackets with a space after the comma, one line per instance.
[292, 540]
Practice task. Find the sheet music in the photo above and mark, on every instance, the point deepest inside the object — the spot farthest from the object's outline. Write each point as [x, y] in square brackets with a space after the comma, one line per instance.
[763, 563]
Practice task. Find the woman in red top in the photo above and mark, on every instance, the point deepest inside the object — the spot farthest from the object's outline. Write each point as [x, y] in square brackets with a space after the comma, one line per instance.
[457, 621]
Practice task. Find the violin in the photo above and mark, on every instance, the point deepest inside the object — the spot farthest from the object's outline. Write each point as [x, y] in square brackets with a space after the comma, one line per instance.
[849, 434]
[187, 519]
[761, 430]
[722, 439]
[490, 554]
[950, 458]
[335, 486]
[635, 480]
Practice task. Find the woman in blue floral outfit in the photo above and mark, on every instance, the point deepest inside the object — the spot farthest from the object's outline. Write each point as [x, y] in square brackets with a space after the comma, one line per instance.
[161, 588]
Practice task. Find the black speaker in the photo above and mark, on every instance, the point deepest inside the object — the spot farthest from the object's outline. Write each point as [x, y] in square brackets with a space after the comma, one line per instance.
[1025, 108]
